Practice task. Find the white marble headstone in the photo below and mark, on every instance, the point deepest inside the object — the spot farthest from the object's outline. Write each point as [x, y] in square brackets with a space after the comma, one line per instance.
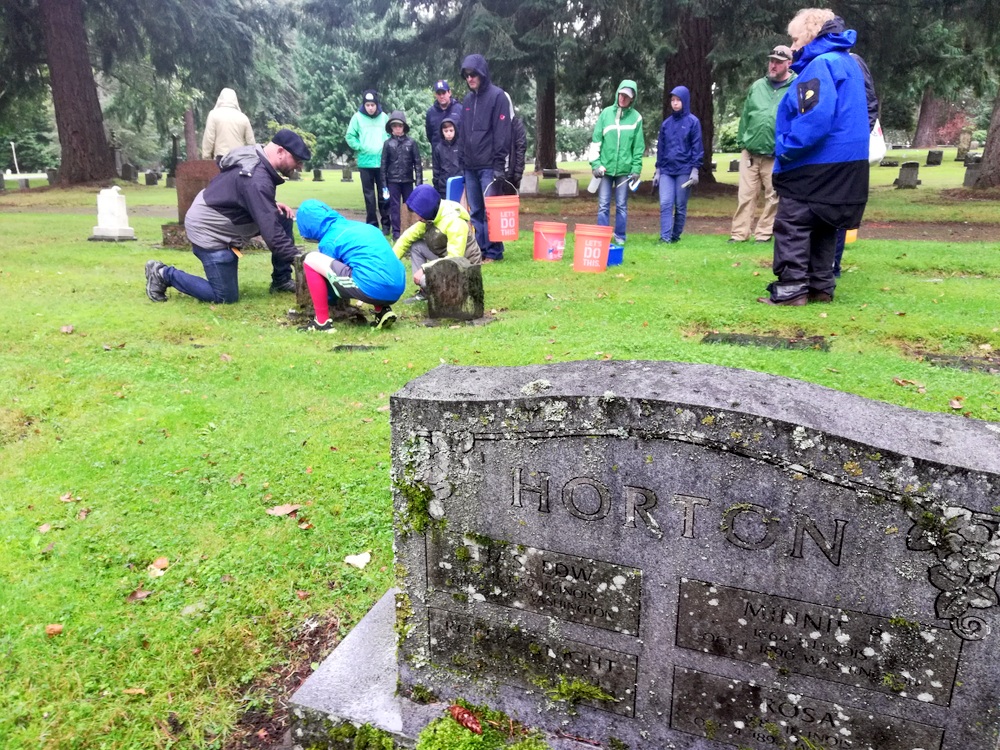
[112, 216]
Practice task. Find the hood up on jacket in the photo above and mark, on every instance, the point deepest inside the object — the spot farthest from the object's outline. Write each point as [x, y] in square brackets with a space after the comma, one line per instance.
[449, 121]
[833, 37]
[682, 93]
[397, 115]
[315, 219]
[628, 84]
[374, 98]
[477, 64]
[227, 98]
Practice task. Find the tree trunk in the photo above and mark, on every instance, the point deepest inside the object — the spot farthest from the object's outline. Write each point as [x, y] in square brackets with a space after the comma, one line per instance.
[930, 107]
[86, 156]
[989, 172]
[190, 136]
[689, 66]
[545, 123]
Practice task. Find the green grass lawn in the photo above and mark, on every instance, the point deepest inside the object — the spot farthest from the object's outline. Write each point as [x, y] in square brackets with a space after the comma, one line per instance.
[132, 431]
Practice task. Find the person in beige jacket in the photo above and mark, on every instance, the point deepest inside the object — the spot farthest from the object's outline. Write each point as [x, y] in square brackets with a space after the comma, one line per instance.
[226, 128]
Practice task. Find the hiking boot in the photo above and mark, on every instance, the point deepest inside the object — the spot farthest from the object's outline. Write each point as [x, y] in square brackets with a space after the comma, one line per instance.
[420, 296]
[384, 318]
[284, 286]
[759, 241]
[734, 241]
[616, 240]
[156, 287]
[313, 325]
[817, 296]
[793, 302]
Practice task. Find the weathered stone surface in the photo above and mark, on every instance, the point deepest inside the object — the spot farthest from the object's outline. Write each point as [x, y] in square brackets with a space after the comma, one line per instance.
[934, 158]
[152, 178]
[971, 175]
[691, 557]
[192, 178]
[734, 165]
[345, 175]
[317, 175]
[454, 289]
[529, 184]
[567, 187]
[908, 175]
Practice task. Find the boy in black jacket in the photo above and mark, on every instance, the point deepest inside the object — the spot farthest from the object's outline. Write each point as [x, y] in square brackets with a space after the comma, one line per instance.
[400, 164]
[446, 156]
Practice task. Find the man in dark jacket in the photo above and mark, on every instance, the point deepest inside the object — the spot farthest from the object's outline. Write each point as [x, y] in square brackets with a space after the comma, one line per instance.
[238, 204]
[484, 139]
[821, 172]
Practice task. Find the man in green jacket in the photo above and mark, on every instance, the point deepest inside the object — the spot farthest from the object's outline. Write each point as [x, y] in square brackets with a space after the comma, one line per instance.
[616, 157]
[365, 136]
[756, 139]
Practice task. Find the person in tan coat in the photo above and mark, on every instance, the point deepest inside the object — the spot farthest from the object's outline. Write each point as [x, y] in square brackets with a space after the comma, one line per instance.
[226, 128]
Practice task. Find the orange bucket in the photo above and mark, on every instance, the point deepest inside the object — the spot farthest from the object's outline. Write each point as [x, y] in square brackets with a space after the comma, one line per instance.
[502, 217]
[550, 240]
[590, 254]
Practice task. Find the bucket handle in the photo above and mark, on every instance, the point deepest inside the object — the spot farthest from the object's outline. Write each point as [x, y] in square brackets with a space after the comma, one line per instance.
[516, 192]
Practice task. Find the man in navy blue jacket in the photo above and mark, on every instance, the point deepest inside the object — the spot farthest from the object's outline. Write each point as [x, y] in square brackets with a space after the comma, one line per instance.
[821, 170]
[484, 139]
[238, 204]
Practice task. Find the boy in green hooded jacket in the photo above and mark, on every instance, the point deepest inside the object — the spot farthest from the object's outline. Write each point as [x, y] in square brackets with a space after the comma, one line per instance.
[616, 156]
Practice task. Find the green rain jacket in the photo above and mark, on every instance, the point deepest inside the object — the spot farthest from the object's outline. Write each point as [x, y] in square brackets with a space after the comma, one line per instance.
[618, 140]
[756, 132]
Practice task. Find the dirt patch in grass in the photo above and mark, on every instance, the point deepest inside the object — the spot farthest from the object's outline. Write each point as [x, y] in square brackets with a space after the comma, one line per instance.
[14, 425]
[966, 363]
[264, 728]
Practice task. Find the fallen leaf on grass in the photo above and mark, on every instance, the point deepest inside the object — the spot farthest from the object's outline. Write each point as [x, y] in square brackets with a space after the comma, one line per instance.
[45, 528]
[359, 561]
[138, 595]
[84, 512]
[66, 329]
[383, 408]
[986, 347]
[161, 563]
[366, 420]
[109, 347]
[226, 357]
[466, 718]
[548, 357]
[305, 525]
[134, 691]
[303, 595]
[282, 510]
[903, 383]
[956, 403]
[48, 548]
[53, 630]
[68, 498]
[900, 314]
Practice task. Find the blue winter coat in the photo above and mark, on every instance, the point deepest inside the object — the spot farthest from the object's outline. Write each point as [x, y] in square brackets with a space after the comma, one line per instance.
[821, 129]
[484, 138]
[678, 147]
[376, 269]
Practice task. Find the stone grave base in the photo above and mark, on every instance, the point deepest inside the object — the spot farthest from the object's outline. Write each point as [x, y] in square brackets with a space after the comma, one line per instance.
[112, 235]
[357, 684]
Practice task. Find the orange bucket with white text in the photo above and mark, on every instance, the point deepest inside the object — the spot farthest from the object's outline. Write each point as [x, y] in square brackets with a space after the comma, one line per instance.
[502, 215]
[590, 248]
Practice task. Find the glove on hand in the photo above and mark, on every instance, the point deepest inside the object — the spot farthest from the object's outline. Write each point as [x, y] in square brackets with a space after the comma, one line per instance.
[599, 171]
[656, 178]
[633, 177]
[385, 193]
[694, 176]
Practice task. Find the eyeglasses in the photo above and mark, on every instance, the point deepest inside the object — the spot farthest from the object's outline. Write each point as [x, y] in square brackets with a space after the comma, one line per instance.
[470, 75]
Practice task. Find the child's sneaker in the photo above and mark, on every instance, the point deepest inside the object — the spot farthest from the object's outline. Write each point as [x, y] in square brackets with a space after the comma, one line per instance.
[312, 325]
[384, 318]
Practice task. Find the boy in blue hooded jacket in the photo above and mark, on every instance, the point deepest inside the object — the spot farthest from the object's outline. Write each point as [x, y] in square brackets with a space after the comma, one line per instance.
[679, 153]
[354, 260]
[821, 170]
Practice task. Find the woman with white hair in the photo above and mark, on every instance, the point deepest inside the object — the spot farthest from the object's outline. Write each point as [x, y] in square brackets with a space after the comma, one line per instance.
[821, 170]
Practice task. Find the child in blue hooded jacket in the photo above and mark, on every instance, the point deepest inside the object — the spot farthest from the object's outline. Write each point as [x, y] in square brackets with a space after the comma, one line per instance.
[354, 260]
[679, 154]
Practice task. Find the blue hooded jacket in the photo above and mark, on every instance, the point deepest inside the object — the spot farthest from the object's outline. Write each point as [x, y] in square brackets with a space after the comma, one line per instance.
[821, 129]
[484, 138]
[678, 147]
[376, 269]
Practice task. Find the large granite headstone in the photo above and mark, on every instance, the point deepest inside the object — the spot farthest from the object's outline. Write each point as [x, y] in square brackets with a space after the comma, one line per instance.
[454, 289]
[661, 555]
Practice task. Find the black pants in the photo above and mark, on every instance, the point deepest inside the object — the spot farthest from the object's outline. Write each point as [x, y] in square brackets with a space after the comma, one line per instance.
[804, 248]
[371, 186]
[281, 270]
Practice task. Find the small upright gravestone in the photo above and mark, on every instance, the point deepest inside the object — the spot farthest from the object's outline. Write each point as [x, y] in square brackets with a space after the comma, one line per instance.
[935, 158]
[152, 178]
[567, 187]
[971, 174]
[52, 175]
[23, 183]
[454, 289]
[3, 185]
[734, 165]
[346, 175]
[964, 144]
[295, 176]
[317, 175]
[908, 175]
[529, 184]
[112, 217]
[130, 173]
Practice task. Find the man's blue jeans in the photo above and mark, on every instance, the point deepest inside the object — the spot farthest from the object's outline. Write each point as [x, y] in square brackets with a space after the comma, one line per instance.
[673, 206]
[221, 268]
[476, 182]
[618, 185]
